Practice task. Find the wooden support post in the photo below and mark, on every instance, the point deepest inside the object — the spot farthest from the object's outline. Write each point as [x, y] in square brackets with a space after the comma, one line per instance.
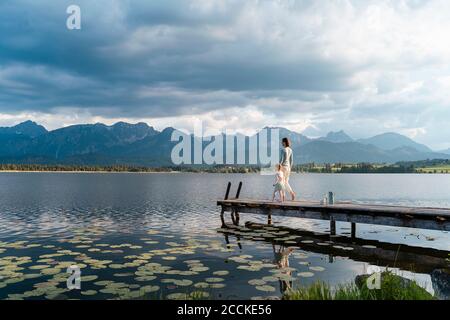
[238, 192]
[222, 218]
[353, 230]
[234, 217]
[227, 239]
[269, 219]
[236, 213]
[332, 227]
[228, 191]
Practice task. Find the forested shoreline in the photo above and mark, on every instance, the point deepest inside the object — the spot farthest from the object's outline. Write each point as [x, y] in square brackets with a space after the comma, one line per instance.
[425, 166]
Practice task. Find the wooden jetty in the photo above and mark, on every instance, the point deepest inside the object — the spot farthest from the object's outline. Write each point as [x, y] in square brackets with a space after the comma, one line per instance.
[386, 215]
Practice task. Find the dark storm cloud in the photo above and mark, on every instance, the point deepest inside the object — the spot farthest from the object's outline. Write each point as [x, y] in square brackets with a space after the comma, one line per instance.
[359, 65]
[126, 45]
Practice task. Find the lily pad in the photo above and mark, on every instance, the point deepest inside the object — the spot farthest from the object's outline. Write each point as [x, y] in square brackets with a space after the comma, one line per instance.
[213, 279]
[265, 288]
[318, 268]
[257, 282]
[183, 283]
[202, 285]
[305, 274]
[89, 292]
[88, 278]
[148, 289]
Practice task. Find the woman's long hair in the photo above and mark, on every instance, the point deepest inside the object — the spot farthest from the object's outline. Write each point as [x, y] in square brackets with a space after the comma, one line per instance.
[286, 142]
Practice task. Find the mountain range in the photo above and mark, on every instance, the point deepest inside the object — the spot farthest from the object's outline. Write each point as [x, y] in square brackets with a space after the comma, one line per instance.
[142, 145]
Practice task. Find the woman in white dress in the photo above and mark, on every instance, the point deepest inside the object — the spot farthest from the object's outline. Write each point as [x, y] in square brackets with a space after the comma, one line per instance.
[287, 160]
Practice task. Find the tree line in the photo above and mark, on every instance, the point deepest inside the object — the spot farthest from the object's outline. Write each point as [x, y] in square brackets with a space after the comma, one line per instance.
[400, 167]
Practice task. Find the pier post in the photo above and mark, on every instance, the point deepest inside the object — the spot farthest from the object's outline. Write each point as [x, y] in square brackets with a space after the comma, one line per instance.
[353, 232]
[269, 219]
[236, 213]
[222, 218]
[238, 192]
[228, 191]
[235, 217]
[332, 226]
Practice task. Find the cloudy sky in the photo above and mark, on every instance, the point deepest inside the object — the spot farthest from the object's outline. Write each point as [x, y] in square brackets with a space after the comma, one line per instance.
[310, 65]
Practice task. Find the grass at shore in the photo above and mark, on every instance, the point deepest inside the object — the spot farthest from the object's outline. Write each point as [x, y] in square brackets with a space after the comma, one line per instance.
[436, 169]
[393, 287]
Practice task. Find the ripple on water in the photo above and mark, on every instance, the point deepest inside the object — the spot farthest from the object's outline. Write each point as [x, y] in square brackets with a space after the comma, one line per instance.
[131, 234]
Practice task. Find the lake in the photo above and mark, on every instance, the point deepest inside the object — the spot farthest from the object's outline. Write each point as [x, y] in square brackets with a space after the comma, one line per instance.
[137, 236]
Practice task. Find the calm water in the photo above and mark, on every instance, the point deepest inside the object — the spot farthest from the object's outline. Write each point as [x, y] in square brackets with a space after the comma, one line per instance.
[154, 235]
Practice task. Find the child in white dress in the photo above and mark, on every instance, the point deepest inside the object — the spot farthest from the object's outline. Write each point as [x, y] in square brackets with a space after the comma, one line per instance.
[279, 183]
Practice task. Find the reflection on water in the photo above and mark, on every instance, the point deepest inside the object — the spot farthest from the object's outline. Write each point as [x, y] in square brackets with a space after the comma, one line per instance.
[159, 235]
[282, 260]
[287, 242]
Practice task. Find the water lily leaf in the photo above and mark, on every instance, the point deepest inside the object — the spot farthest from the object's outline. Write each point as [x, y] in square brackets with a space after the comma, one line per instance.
[202, 285]
[257, 282]
[39, 267]
[89, 292]
[265, 288]
[318, 268]
[169, 258]
[199, 269]
[148, 289]
[146, 278]
[177, 296]
[89, 278]
[51, 271]
[183, 283]
[214, 279]
[168, 280]
[103, 283]
[305, 274]
[270, 279]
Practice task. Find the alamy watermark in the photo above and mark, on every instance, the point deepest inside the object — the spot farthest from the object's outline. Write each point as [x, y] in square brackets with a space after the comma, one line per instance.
[73, 21]
[373, 281]
[261, 149]
[74, 280]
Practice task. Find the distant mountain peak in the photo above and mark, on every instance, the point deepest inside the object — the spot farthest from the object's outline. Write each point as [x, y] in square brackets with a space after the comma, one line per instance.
[27, 123]
[127, 124]
[27, 128]
[295, 137]
[337, 137]
[392, 140]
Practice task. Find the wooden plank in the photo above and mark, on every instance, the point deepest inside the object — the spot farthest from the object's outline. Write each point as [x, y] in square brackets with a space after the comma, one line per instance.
[399, 216]
[443, 213]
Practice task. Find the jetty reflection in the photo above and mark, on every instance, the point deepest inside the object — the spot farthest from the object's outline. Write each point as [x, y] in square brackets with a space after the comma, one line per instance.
[285, 240]
[411, 258]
